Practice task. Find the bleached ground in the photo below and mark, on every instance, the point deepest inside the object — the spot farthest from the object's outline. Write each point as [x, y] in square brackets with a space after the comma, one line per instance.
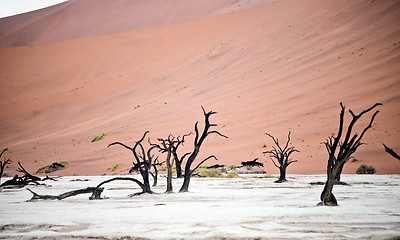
[213, 209]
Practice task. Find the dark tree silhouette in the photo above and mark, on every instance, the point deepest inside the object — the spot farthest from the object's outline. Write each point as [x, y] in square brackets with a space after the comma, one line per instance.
[252, 163]
[170, 146]
[166, 146]
[391, 152]
[3, 163]
[26, 179]
[282, 156]
[155, 164]
[66, 194]
[198, 141]
[143, 160]
[345, 150]
[179, 160]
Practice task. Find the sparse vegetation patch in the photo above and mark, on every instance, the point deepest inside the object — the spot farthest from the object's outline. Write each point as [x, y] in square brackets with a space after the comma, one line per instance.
[114, 166]
[55, 166]
[365, 169]
[99, 137]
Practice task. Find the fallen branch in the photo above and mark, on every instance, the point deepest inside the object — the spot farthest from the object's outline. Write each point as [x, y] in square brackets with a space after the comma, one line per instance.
[66, 194]
[96, 194]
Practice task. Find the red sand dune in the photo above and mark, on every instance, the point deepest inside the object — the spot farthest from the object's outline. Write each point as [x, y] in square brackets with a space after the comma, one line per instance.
[276, 67]
[77, 19]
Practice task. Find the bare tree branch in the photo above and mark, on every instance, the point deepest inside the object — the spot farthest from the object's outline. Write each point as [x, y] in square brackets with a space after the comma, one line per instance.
[194, 169]
[391, 152]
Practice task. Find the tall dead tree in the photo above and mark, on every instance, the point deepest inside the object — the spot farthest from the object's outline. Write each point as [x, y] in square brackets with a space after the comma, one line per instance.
[282, 156]
[198, 141]
[143, 161]
[340, 151]
[3, 163]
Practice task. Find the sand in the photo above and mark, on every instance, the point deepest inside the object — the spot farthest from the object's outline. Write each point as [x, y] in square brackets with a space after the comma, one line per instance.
[245, 208]
[275, 67]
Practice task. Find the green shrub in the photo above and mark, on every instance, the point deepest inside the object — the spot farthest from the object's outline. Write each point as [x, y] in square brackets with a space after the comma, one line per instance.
[114, 166]
[232, 174]
[162, 168]
[364, 169]
[99, 137]
[233, 166]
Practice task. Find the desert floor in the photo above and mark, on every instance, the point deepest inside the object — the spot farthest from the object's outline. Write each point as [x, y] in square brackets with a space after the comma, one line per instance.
[242, 208]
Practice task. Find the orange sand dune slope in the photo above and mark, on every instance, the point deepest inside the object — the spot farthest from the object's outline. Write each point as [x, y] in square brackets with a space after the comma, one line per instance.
[279, 67]
[77, 19]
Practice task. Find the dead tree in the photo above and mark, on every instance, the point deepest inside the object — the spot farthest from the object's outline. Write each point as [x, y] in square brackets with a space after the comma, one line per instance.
[27, 176]
[179, 160]
[340, 151]
[143, 161]
[391, 152]
[3, 163]
[282, 156]
[166, 146]
[26, 179]
[198, 141]
[170, 146]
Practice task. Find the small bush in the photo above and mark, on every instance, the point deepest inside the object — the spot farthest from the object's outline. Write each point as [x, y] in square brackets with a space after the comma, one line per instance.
[211, 173]
[99, 137]
[162, 168]
[50, 166]
[233, 166]
[114, 166]
[232, 174]
[364, 169]
[204, 166]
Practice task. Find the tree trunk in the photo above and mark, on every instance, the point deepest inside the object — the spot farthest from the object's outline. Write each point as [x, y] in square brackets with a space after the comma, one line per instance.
[169, 177]
[282, 176]
[327, 197]
[178, 165]
[187, 175]
[145, 176]
[186, 182]
[337, 177]
[155, 177]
